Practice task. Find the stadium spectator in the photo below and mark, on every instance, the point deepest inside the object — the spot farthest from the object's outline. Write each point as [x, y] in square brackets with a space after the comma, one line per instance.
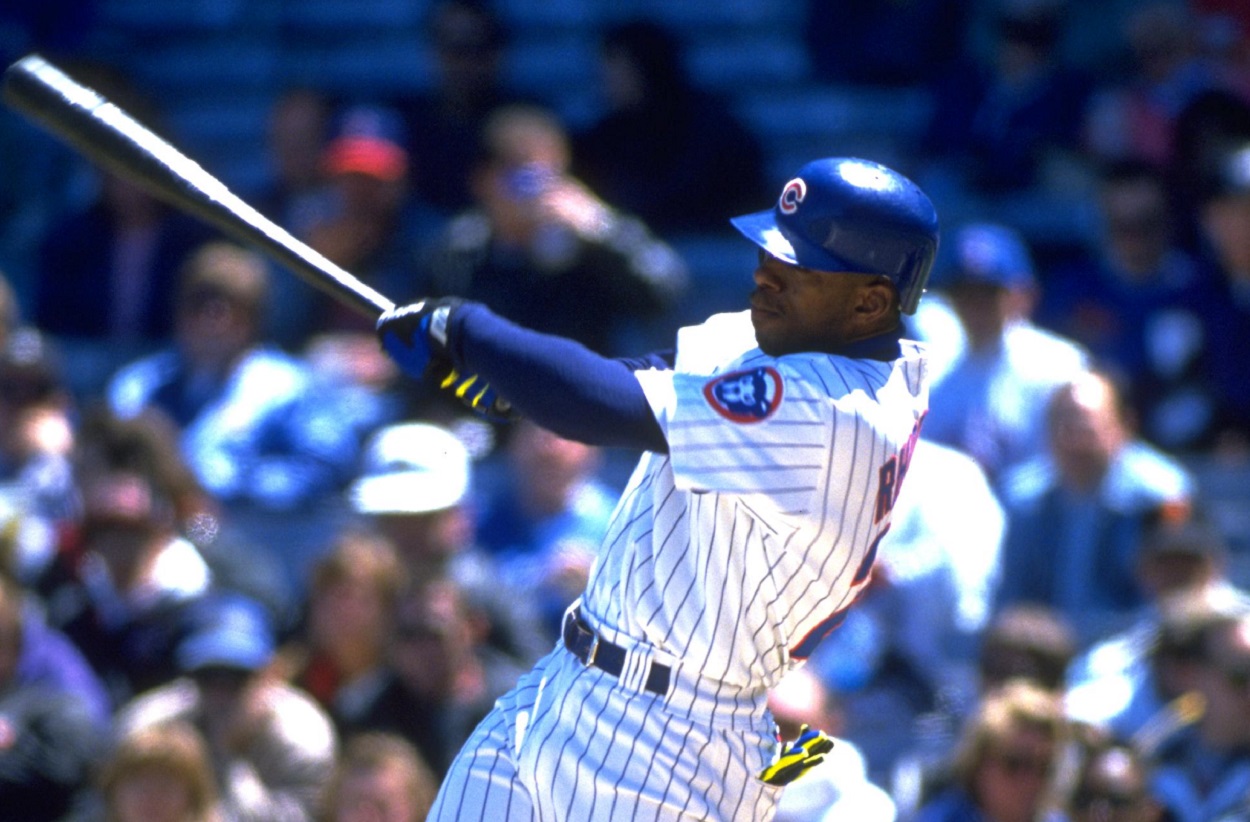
[49, 738]
[125, 575]
[469, 42]
[1138, 303]
[1225, 225]
[378, 223]
[1075, 514]
[444, 676]
[379, 778]
[1001, 115]
[295, 193]
[272, 747]
[414, 490]
[1113, 785]
[339, 654]
[1204, 767]
[37, 421]
[158, 774]
[1006, 763]
[989, 402]
[241, 406]
[1134, 117]
[665, 149]
[545, 251]
[1138, 683]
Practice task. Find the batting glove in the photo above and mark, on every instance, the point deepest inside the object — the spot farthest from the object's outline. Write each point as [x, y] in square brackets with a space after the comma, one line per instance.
[415, 335]
[477, 395]
[801, 756]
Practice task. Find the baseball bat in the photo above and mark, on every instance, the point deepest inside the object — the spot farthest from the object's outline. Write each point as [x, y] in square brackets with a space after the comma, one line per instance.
[116, 141]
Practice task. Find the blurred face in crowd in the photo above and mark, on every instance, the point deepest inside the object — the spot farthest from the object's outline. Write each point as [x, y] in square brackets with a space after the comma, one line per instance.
[1086, 430]
[377, 794]
[213, 330]
[121, 518]
[1224, 681]
[349, 620]
[1014, 775]
[1137, 228]
[1113, 789]
[985, 309]
[1226, 223]
[153, 794]
[433, 635]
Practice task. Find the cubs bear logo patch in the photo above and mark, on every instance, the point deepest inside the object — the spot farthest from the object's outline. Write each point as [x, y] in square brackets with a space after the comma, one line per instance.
[745, 396]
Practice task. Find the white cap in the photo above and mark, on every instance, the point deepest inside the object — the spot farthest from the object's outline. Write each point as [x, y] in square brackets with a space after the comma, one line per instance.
[412, 468]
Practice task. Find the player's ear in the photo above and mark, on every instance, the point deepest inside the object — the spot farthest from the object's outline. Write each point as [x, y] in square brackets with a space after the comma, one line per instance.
[877, 301]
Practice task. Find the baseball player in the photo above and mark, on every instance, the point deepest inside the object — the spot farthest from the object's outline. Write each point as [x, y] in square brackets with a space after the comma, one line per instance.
[774, 445]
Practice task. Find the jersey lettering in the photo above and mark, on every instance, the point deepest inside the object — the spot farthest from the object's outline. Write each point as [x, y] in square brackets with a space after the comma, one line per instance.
[890, 475]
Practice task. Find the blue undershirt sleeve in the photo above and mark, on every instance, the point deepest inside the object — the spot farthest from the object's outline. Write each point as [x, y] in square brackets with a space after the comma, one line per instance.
[558, 383]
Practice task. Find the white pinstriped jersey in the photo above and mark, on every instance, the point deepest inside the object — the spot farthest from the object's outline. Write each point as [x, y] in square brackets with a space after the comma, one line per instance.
[732, 556]
[736, 552]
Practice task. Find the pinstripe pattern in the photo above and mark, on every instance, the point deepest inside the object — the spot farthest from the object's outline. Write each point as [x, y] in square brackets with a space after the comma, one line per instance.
[727, 560]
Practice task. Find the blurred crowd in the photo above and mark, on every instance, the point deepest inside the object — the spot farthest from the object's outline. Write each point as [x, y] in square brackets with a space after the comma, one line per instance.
[249, 573]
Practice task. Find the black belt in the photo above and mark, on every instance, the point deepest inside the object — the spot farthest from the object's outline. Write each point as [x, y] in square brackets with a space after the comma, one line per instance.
[592, 649]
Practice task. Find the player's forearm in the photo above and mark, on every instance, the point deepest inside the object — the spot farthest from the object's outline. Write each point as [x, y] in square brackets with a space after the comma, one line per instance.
[560, 384]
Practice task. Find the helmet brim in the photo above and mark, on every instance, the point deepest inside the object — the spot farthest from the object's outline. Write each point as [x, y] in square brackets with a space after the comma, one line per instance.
[761, 228]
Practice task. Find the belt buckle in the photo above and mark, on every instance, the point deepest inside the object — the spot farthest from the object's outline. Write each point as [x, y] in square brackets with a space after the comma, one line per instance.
[594, 649]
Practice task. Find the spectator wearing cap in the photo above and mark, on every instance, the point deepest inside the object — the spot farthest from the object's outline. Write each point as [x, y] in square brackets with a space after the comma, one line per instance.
[1180, 564]
[1138, 302]
[272, 747]
[379, 224]
[414, 490]
[1224, 216]
[989, 401]
[1076, 513]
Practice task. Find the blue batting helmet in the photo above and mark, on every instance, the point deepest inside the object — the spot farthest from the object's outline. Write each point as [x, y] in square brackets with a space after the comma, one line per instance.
[851, 215]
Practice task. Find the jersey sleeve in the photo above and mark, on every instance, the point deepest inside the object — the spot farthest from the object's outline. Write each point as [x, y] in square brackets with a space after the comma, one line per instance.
[758, 430]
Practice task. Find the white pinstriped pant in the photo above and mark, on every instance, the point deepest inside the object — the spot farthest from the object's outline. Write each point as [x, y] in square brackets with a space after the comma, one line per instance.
[572, 743]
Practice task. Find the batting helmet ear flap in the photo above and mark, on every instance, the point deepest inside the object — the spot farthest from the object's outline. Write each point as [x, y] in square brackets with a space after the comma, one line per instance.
[843, 214]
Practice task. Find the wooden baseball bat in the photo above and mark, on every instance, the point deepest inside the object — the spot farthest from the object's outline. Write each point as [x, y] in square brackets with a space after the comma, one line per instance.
[112, 138]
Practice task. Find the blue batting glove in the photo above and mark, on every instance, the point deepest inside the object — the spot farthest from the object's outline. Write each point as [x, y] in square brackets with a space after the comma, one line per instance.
[415, 335]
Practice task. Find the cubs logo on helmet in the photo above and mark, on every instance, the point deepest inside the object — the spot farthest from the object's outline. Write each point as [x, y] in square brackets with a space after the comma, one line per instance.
[792, 195]
[745, 396]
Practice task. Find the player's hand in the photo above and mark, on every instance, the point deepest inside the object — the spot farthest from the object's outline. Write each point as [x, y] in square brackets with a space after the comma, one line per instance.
[415, 335]
[476, 394]
[799, 757]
